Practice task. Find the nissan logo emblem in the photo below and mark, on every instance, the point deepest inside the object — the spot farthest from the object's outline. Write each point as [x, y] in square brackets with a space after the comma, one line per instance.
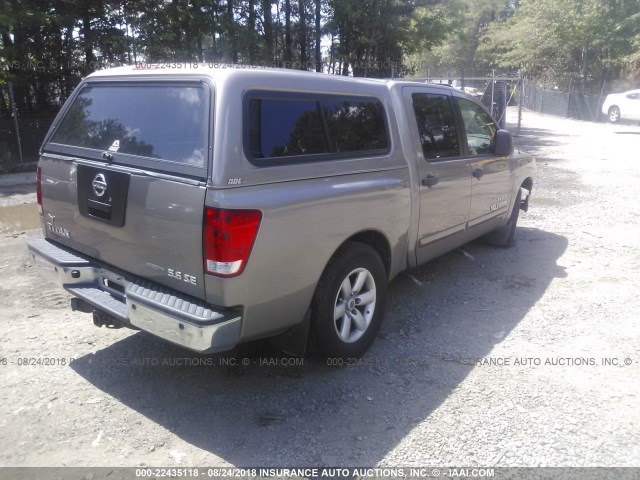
[99, 185]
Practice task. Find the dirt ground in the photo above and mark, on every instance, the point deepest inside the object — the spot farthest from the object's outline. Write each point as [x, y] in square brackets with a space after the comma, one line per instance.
[488, 357]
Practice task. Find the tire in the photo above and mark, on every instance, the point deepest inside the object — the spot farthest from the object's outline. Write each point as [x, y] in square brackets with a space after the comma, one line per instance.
[355, 283]
[614, 115]
[505, 236]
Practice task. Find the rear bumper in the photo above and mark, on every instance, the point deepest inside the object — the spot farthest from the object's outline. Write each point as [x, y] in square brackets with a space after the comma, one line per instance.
[177, 318]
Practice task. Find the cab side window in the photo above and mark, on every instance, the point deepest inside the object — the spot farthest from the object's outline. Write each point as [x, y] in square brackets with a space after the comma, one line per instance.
[436, 126]
[479, 128]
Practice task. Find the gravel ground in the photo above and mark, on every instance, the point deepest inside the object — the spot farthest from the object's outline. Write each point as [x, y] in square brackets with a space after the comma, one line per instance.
[17, 189]
[487, 357]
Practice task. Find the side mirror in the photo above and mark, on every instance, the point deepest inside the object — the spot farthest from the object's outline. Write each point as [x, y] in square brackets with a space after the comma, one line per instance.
[504, 143]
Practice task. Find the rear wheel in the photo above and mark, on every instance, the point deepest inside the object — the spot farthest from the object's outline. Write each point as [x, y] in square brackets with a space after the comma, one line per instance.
[506, 236]
[349, 302]
[614, 114]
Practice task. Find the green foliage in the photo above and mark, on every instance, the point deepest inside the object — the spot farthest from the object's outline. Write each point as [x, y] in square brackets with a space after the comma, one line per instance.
[47, 46]
[373, 37]
[457, 51]
[582, 41]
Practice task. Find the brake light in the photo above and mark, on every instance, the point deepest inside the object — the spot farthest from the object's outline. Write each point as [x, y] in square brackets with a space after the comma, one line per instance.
[228, 240]
[39, 187]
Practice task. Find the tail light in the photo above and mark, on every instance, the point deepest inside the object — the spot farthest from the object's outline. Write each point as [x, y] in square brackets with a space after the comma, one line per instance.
[228, 240]
[39, 187]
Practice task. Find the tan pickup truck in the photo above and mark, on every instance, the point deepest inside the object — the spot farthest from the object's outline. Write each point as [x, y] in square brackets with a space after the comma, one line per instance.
[212, 207]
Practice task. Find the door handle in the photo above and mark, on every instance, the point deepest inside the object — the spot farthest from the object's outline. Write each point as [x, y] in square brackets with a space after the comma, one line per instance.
[430, 180]
[478, 172]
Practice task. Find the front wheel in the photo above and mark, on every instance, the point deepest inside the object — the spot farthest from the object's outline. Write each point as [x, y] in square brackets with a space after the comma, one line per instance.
[614, 114]
[349, 302]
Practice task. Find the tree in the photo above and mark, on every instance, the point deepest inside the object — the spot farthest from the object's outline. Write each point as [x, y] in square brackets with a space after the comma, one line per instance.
[318, 35]
[302, 14]
[583, 41]
[183, 30]
[373, 37]
[267, 25]
[46, 47]
[458, 50]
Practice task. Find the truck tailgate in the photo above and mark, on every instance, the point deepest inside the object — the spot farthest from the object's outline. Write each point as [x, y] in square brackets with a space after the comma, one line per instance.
[145, 224]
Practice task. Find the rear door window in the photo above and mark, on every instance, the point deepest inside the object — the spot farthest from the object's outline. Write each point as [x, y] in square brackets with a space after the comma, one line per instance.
[161, 126]
[436, 126]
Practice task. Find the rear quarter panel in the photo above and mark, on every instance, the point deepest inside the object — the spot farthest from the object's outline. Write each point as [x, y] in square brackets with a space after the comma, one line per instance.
[303, 225]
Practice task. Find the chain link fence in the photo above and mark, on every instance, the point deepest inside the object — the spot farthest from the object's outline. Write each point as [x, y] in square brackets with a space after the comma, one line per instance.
[26, 114]
[563, 104]
[21, 137]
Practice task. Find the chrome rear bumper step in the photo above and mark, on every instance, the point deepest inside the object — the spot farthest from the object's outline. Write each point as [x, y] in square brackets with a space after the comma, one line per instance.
[171, 315]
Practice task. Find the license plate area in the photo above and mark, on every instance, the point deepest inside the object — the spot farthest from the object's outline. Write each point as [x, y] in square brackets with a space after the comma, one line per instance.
[113, 286]
[112, 283]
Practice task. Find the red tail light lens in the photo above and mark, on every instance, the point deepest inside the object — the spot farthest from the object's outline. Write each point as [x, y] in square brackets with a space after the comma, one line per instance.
[39, 186]
[228, 240]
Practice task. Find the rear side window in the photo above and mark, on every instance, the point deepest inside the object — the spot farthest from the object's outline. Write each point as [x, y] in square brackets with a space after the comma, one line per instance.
[283, 129]
[160, 122]
[436, 126]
